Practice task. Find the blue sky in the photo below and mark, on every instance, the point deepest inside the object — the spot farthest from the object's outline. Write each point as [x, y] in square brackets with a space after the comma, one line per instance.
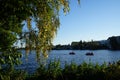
[91, 20]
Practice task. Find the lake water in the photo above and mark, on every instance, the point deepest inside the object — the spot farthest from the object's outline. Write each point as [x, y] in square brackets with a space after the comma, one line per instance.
[100, 56]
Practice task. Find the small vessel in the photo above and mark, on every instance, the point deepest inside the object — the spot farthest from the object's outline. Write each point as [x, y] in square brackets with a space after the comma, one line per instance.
[72, 53]
[89, 54]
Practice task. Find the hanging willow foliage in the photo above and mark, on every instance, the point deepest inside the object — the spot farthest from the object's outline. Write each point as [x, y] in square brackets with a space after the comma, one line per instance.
[47, 22]
[45, 14]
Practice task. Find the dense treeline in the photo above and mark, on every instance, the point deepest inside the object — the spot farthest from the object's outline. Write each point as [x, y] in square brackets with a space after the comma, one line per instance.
[81, 46]
[112, 43]
[92, 45]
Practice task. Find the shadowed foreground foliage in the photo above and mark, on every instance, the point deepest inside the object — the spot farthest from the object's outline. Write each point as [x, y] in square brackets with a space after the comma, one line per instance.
[53, 71]
[77, 72]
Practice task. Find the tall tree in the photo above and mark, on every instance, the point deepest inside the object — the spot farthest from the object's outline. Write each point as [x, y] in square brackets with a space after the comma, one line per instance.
[13, 13]
[45, 13]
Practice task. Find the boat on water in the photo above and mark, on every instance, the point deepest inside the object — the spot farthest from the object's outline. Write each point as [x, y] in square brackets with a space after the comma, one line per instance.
[89, 54]
[72, 53]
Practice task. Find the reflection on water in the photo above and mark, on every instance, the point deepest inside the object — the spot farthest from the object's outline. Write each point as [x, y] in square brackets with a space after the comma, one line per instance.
[100, 56]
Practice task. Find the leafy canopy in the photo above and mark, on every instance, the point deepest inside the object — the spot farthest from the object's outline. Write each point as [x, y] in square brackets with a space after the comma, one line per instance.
[45, 13]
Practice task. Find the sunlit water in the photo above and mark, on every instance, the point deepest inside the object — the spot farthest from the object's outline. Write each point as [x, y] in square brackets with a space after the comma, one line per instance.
[100, 56]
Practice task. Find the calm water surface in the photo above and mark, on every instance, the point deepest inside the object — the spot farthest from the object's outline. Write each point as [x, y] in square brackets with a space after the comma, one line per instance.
[100, 56]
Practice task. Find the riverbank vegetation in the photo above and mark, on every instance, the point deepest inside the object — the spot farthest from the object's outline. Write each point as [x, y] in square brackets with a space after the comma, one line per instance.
[84, 71]
[73, 71]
